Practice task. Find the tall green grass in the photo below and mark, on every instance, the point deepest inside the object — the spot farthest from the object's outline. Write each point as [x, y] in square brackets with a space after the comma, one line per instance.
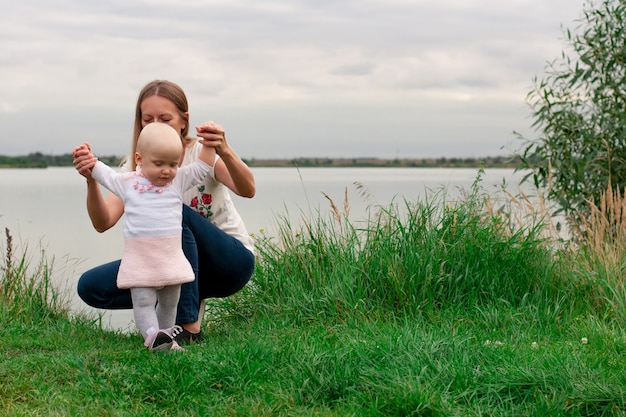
[26, 290]
[410, 259]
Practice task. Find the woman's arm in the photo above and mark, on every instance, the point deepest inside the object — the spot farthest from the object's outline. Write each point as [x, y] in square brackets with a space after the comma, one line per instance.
[230, 170]
[103, 212]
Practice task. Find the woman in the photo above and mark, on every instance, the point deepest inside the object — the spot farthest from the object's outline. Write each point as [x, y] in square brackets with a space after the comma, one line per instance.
[215, 239]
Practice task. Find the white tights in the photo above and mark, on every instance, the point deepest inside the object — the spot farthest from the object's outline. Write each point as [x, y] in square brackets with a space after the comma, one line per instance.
[155, 308]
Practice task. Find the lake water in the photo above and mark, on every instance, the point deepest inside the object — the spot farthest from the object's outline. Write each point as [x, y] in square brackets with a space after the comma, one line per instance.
[46, 209]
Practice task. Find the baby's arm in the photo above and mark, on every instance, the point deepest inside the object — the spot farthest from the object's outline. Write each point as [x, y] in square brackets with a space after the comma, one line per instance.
[88, 165]
[194, 173]
[207, 153]
[109, 178]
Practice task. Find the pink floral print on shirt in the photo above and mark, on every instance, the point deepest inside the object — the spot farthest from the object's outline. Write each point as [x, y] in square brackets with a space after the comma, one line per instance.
[203, 204]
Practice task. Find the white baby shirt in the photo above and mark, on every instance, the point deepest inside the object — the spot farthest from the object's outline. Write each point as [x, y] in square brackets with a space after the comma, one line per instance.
[153, 255]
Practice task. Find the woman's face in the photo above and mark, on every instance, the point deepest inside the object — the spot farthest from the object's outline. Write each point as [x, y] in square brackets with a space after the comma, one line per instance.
[159, 109]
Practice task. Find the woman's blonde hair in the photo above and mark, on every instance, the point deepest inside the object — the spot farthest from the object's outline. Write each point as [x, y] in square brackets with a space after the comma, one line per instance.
[170, 91]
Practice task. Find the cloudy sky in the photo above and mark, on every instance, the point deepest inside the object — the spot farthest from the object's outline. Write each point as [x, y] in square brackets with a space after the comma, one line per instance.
[286, 78]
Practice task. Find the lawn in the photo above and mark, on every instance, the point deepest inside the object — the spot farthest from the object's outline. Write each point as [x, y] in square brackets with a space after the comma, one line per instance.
[472, 307]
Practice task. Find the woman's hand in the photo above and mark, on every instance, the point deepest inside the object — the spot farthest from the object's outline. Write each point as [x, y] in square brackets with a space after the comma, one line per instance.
[84, 160]
[230, 170]
[213, 135]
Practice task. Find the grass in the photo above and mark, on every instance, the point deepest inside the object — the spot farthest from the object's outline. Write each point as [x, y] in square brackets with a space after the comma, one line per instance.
[430, 308]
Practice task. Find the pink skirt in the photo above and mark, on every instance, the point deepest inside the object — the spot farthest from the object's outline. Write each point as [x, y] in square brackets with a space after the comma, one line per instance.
[153, 262]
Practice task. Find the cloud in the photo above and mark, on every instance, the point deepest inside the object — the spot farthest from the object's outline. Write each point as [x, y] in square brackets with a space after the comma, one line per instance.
[431, 74]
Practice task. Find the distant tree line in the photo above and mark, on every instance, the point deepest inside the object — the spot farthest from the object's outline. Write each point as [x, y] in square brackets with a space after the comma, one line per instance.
[39, 160]
[488, 162]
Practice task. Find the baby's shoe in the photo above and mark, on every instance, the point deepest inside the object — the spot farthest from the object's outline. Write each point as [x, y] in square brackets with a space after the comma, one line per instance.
[160, 341]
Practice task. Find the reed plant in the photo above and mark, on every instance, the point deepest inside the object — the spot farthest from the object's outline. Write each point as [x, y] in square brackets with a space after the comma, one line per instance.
[600, 261]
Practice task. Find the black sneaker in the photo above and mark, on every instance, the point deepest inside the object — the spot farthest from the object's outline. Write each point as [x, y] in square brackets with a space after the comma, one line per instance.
[184, 337]
[160, 341]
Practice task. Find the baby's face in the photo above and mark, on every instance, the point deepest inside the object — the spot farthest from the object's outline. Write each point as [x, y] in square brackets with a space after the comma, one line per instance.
[158, 153]
[159, 167]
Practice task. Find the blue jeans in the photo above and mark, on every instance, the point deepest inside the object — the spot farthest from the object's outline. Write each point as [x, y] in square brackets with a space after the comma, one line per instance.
[221, 263]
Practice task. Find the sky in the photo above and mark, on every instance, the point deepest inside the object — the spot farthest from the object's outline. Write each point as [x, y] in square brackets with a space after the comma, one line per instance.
[286, 78]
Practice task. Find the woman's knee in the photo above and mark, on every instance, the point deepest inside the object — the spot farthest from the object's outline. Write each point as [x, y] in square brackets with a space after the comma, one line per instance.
[247, 265]
[82, 291]
[87, 291]
[97, 287]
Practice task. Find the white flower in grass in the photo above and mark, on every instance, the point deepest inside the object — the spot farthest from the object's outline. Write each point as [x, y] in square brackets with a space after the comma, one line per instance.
[584, 340]
[535, 345]
[487, 342]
